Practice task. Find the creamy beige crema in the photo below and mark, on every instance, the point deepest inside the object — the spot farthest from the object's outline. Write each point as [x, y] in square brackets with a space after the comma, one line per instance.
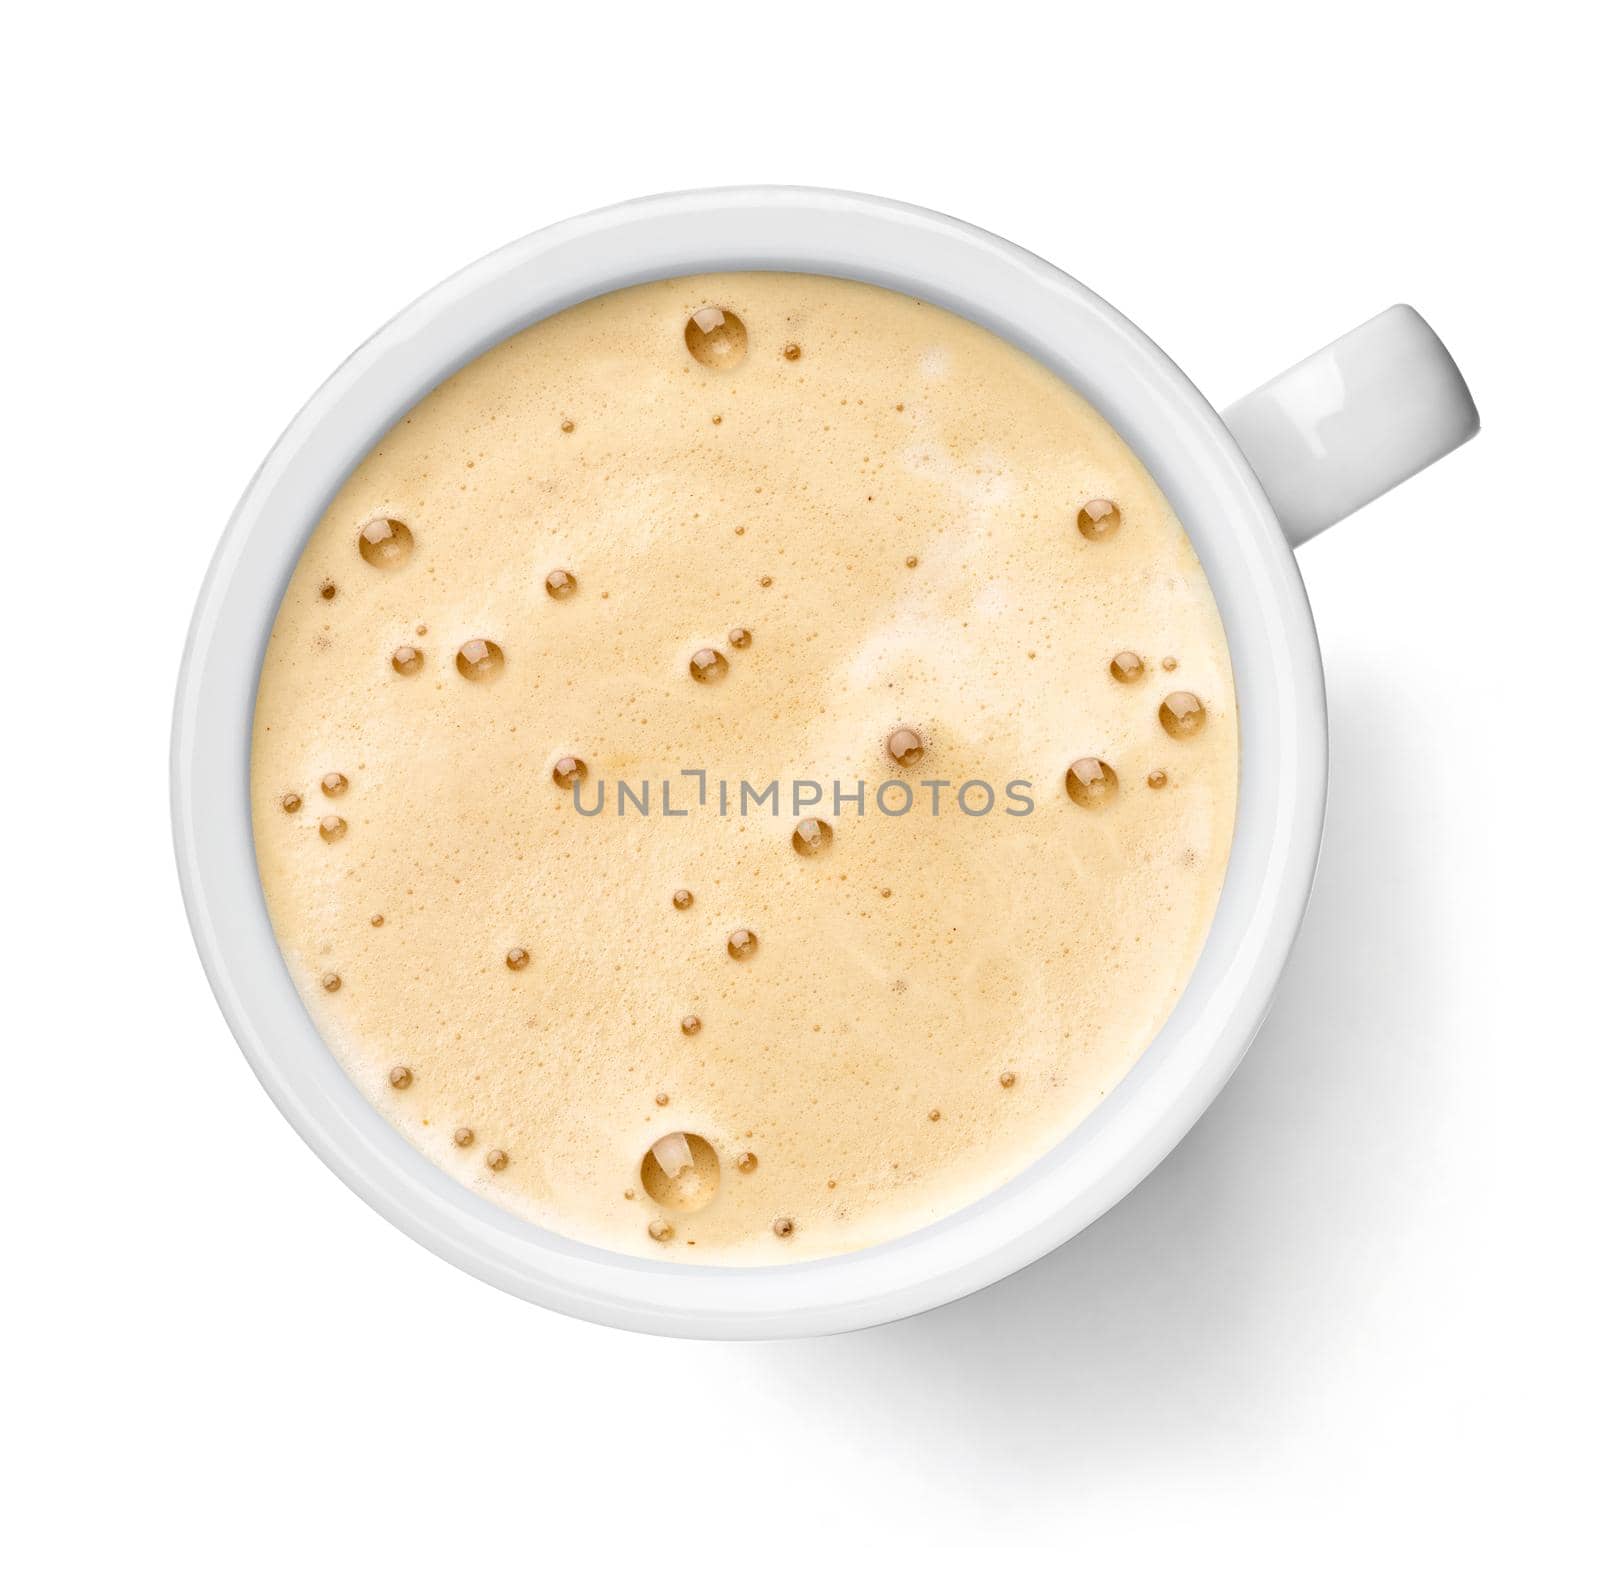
[746, 529]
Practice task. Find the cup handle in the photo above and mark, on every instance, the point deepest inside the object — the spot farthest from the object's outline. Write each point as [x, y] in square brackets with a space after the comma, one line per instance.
[1346, 424]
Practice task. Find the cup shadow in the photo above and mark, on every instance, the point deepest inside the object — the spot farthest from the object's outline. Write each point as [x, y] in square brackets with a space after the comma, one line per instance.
[1194, 1312]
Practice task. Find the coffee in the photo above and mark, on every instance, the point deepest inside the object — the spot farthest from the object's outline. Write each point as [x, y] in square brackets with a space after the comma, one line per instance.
[743, 767]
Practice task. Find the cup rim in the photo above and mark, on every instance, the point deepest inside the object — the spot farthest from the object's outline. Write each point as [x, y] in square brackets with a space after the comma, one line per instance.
[1278, 684]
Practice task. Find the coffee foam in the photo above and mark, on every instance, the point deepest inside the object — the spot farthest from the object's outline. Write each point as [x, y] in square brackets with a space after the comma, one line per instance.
[887, 498]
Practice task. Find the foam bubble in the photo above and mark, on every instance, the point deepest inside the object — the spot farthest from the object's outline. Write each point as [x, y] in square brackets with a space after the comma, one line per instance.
[707, 666]
[905, 746]
[716, 338]
[385, 543]
[1099, 519]
[811, 837]
[681, 1172]
[1182, 714]
[479, 660]
[1091, 783]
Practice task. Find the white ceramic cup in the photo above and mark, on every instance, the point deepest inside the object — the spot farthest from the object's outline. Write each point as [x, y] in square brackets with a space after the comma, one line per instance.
[1304, 450]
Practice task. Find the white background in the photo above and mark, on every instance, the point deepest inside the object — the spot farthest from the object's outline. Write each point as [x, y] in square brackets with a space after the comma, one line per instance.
[1345, 1332]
